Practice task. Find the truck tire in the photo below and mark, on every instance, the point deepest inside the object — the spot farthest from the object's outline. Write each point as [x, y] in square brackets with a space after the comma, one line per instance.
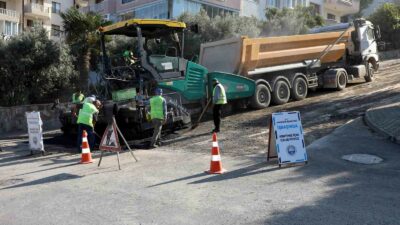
[261, 97]
[341, 80]
[281, 93]
[370, 73]
[299, 89]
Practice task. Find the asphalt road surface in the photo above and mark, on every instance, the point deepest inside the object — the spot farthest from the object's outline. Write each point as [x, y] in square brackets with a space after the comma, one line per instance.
[246, 132]
[168, 185]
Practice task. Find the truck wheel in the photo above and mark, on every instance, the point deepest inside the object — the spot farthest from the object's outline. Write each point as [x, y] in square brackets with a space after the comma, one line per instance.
[370, 72]
[261, 97]
[299, 89]
[281, 93]
[341, 80]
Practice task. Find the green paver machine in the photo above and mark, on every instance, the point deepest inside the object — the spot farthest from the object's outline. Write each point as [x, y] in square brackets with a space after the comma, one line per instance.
[157, 61]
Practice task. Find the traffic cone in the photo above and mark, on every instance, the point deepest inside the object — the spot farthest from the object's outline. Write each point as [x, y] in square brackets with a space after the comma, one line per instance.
[86, 155]
[215, 165]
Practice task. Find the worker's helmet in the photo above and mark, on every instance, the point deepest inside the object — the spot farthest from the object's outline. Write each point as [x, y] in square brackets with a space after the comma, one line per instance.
[90, 99]
[158, 91]
[215, 80]
[126, 53]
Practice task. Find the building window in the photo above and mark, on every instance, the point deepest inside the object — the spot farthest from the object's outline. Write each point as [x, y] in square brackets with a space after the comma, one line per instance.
[10, 28]
[3, 5]
[126, 1]
[29, 23]
[316, 9]
[56, 7]
[55, 30]
[331, 17]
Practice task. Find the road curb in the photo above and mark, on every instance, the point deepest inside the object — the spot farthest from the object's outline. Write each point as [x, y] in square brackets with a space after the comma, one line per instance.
[371, 124]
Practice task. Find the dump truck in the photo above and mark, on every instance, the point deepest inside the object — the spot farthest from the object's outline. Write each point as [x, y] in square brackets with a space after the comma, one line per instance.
[157, 61]
[288, 66]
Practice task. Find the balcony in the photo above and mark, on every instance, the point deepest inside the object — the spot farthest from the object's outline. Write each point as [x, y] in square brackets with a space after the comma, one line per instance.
[344, 7]
[9, 15]
[98, 8]
[37, 11]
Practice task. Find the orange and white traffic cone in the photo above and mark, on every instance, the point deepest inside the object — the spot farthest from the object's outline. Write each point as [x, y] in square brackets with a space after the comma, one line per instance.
[215, 165]
[86, 155]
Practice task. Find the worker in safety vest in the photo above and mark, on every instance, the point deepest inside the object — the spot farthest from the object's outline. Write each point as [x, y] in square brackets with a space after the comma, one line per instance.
[129, 58]
[158, 114]
[77, 98]
[87, 116]
[219, 99]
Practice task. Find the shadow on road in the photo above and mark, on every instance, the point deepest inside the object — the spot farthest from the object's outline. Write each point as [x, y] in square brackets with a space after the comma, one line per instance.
[242, 172]
[179, 179]
[354, 193]
[50, 179]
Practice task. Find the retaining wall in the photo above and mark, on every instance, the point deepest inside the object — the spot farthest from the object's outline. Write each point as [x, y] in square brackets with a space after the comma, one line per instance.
[13, 120]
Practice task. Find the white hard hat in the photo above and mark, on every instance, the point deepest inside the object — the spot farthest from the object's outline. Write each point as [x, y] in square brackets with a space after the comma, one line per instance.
[90, 99]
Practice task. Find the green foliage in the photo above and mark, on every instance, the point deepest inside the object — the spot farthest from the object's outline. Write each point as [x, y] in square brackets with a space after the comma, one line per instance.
[290, 21]
[388, 19]
[81, 34]
[33, 69]
[218, 28]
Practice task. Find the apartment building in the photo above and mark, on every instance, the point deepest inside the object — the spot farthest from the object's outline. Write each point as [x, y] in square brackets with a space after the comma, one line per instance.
[257, 8]
[21, 15]
[335, 11]
[116, 10]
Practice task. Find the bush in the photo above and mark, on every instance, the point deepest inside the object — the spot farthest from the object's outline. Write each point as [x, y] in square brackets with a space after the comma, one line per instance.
[290, 21]
[33, 69]
[388, 19]
[218, 28]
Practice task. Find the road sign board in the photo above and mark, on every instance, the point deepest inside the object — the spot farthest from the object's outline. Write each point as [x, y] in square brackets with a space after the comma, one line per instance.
[286, 138]
[35, 131]
[110, 141]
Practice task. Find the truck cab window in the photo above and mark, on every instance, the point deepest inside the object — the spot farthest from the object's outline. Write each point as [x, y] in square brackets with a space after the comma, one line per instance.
[370, 34]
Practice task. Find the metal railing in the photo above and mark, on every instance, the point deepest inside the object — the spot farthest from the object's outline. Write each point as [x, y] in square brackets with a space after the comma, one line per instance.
[10, 13]
[38, 7]
[94, 7]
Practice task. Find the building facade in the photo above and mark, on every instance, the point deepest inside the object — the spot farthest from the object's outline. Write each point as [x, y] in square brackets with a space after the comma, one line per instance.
[116, 10]
[21, 15]
[335, 11]
[257, 8]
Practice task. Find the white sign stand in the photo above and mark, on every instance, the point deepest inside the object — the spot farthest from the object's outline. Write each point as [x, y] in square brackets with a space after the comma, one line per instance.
[35, 131]
[286, 139]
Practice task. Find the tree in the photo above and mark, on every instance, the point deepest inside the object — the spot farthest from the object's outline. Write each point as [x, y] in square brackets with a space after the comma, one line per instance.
[218, 28]
[387, 17]
[290, 21]
[31, 67]
[81, 35]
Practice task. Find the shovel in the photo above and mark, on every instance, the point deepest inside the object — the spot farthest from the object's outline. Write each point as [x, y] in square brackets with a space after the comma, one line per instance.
[201, 116]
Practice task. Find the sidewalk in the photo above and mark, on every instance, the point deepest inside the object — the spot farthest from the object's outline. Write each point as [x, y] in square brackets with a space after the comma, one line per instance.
[385, 120]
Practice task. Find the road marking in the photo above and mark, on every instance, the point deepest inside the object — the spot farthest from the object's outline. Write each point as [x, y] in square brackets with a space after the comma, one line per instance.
[257, 134]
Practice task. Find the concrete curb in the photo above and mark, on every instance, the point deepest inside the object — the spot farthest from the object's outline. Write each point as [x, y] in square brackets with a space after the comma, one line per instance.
[371, 123]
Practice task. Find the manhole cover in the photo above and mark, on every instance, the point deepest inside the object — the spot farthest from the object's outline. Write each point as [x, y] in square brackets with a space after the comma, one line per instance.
[363, 158]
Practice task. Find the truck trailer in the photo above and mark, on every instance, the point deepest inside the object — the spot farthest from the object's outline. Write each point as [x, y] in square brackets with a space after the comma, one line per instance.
[288, 66]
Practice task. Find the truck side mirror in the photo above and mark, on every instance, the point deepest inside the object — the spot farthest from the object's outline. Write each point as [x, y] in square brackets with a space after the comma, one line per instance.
[377, 32]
